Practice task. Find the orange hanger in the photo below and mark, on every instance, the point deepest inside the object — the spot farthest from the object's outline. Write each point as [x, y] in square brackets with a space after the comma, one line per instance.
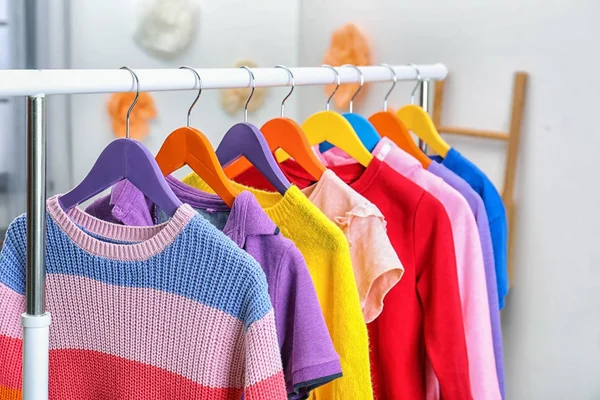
[189, 146]
[389, 125]
[284, 133]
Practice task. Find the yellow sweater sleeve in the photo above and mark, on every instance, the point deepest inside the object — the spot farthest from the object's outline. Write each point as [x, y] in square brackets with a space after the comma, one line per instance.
[333, 277]
[327, 255]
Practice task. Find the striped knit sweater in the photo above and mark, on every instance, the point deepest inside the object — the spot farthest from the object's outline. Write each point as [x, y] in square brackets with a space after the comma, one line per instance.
[173, 311]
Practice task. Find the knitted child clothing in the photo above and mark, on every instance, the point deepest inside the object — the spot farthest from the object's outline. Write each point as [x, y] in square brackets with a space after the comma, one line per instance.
[327, 256]
[307, 353]
[376, 266]
[174, 311]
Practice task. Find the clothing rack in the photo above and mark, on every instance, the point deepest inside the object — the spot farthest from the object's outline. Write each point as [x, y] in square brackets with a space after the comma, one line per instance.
[36, 84]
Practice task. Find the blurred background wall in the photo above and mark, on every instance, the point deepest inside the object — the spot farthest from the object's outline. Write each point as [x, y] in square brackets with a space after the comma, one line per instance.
[551, 322]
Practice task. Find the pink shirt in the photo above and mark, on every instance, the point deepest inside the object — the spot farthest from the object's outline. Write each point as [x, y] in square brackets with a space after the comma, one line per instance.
[376, 266]
[469, 262]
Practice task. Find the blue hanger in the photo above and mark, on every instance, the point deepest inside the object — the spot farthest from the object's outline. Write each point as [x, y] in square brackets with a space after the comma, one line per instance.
[366, 132]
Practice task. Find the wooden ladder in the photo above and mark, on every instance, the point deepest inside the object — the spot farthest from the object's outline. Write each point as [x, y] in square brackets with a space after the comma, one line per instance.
[512, 137]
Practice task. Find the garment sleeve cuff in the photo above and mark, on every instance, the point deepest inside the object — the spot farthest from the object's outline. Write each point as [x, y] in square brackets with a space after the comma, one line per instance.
[311, 377]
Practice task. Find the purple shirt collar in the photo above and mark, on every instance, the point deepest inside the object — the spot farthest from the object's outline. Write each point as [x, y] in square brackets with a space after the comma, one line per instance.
[126, 205]
[247, 218]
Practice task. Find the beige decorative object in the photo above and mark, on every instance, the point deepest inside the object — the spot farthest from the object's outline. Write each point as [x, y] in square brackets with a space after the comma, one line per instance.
[233, 100]
[167, 27]
[348, 46]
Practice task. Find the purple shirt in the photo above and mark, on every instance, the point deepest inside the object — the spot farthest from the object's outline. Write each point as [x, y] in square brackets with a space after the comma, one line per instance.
[308, 356]
[485, 237]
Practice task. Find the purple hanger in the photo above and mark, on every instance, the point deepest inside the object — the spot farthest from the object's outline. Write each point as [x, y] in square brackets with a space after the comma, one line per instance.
[245, 140]
[124, 159]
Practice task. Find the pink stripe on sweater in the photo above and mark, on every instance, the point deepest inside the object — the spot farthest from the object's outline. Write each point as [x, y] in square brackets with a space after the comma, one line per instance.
[13, 305]
[160, 329]
[263, 356]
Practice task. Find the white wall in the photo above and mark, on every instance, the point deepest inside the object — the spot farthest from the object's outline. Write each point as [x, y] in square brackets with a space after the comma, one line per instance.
[552, 320]
[229, 30]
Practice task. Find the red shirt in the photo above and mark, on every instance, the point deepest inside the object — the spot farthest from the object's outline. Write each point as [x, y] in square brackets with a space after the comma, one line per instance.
[422, 315]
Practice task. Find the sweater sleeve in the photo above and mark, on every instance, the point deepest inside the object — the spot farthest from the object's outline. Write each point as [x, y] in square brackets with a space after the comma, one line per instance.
[264, 374]
[12, 304]
[437, 287]
[346, 326]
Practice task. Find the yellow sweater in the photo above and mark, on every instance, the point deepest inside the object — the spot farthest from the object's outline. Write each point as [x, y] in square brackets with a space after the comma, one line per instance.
[327, 256]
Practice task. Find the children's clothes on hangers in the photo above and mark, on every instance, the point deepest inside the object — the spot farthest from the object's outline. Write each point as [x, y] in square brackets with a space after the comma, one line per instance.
[469, 264]
[478, 209]
[158, 303]
[426, 298]
[376, 266]
[327, 256]
[494, 207]
[178, 310]
[309, 358]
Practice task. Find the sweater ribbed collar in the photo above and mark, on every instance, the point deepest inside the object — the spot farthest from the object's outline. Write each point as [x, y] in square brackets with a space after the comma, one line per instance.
[145, 242]
[278, 207]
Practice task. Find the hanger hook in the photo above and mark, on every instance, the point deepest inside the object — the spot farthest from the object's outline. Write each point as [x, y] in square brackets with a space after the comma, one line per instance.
[253, 84]
[291, 90]
[338, 81]
[137, 95]
[385, 99]
[362, 82]
[189, 113]
[419, 80]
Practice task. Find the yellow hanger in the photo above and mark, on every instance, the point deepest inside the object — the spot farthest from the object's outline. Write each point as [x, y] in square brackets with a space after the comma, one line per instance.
[332, 127]
[418, 121]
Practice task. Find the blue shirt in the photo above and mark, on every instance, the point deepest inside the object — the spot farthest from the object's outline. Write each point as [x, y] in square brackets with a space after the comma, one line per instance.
[494, 207]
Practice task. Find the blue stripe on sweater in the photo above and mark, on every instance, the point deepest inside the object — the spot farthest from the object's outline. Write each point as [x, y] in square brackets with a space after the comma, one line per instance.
[201, 264]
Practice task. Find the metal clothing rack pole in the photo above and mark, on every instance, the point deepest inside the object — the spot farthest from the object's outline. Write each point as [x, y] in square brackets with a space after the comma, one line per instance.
[36, 84]
[35, 321]
[86, 81]
[424, 102]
